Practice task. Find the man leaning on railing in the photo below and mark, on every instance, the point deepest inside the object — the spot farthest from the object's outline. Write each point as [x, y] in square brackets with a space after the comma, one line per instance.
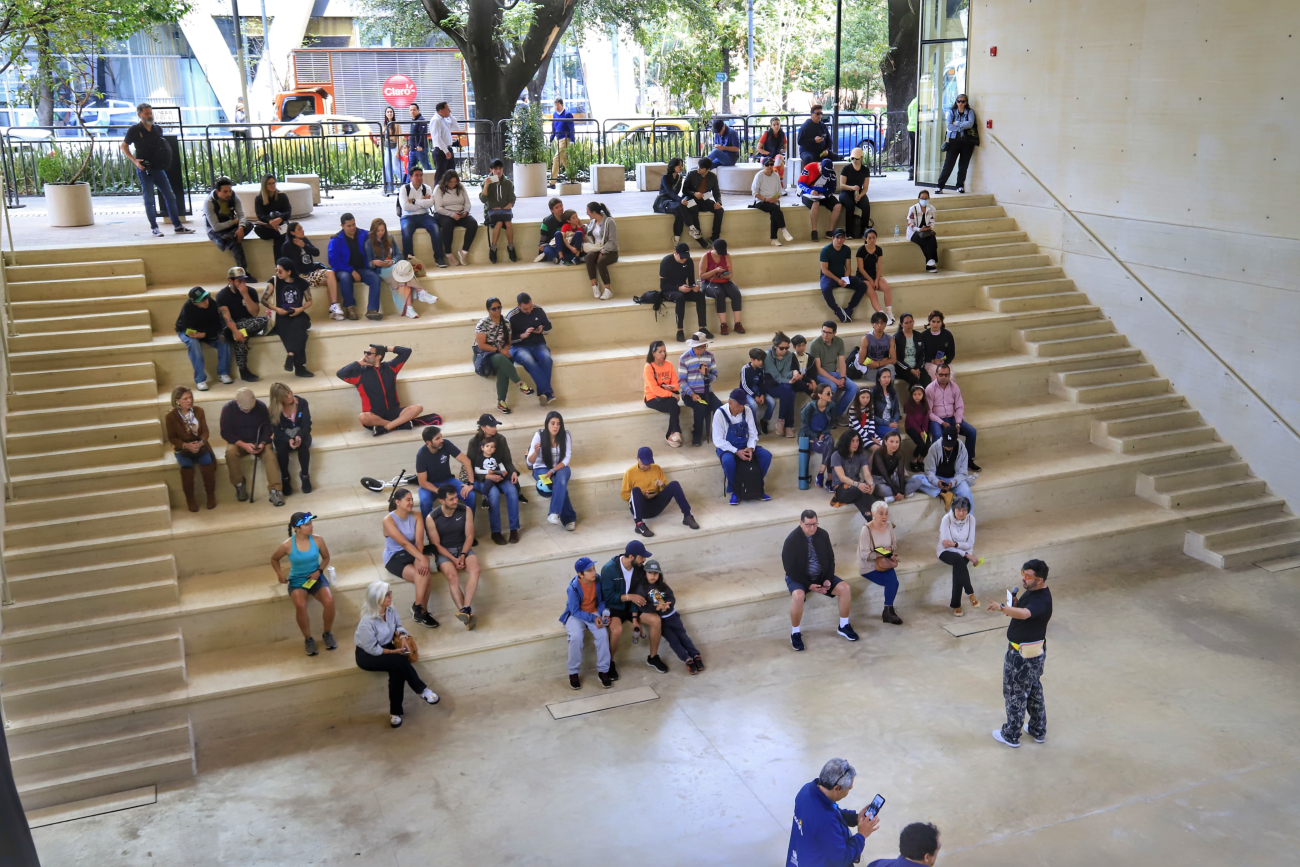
[152, 158]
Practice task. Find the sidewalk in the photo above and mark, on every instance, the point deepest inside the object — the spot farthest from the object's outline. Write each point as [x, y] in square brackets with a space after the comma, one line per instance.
[120, 219]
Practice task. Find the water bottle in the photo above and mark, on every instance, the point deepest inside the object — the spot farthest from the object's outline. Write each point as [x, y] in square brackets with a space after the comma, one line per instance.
[895, 231]
[329, 571]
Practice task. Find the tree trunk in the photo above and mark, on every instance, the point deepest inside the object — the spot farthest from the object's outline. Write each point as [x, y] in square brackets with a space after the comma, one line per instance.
[45, 81]
[724, 107]
[538, 83]
[898, 69]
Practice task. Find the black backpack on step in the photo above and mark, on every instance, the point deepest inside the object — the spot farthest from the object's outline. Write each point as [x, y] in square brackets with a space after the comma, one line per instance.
[747, 481]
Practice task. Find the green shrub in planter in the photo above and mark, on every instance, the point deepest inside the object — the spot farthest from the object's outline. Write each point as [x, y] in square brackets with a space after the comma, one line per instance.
[63, 165]
[527, 142]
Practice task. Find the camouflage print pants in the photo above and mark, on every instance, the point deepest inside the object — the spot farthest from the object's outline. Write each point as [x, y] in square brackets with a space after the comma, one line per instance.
[1022, 691]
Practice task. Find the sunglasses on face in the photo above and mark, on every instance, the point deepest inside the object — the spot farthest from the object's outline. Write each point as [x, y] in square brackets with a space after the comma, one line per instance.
[494, 309]
[782, 348]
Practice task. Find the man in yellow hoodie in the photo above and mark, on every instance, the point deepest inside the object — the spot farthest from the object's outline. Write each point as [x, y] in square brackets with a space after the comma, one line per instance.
[648, 491]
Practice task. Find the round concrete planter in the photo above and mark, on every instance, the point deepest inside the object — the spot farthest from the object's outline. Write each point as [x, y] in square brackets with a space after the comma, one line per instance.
[530, 180]
[69, 204]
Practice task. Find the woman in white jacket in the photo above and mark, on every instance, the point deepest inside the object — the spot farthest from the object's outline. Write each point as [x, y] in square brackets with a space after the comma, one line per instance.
[451, 209]
[920, 229]
[957, 549]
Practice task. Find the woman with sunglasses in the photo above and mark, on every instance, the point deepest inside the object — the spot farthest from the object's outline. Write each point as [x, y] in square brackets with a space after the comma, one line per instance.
[309, 557]
[961, 142]
[492, 353]
[780, 364]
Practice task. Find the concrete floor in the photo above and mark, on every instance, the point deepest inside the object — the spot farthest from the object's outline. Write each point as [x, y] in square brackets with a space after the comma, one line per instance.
[121, 219]
[1171, 740]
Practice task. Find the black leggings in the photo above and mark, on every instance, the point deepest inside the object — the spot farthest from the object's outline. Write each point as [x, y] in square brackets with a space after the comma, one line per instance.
[292, 331]
[929, 244]
[773, 211]
[849, 494]
[669, 405]
[960, 576]
[446, 225]
[650, 507]
[266, 233]
[950, 158]
[674, 632]
[851, 208]
[720, 292]
[399, 670]
[282, 452]
[922, 442]
[920, 376]
[680, 299]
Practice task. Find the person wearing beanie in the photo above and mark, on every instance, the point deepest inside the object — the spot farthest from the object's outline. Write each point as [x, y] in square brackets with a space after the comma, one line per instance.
[246, 428]
[660, 599]
[701, 195]
[199, 322]
[735, 438]
[677, 285]
[648, 492]
[585, 609]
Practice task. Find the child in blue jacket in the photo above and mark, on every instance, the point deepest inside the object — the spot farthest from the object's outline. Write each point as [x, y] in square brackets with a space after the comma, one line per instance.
[585, 609]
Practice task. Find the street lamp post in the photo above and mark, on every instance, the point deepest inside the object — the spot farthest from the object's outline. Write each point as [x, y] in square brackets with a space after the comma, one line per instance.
[835, 116]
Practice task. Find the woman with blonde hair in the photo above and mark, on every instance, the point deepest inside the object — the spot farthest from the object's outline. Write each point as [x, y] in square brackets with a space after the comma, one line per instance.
[383, 645]
[273, 210]
[291, 432]
[187, 431]
[878, 557]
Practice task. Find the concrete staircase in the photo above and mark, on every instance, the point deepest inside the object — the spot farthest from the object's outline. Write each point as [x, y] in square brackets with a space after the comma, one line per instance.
[182, 634]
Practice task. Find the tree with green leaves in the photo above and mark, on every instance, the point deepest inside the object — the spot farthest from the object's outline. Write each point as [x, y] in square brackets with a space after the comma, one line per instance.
[863, 44]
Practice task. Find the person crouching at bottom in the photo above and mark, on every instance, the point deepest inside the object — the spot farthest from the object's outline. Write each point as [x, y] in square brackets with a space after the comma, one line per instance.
[383, 645]
[659, 598]
[585, 609]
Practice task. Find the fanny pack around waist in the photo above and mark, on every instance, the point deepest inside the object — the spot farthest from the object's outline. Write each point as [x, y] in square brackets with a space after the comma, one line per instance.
[1028, 649]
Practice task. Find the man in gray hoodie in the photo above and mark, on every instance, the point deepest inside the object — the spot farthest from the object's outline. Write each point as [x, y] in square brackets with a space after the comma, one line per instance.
[224, 214]
[498, 196]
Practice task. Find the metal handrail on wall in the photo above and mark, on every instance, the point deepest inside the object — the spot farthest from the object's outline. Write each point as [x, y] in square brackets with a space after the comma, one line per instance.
[1187, 328]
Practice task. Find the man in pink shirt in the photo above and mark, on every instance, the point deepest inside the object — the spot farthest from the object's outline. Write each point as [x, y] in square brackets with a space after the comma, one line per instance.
[947, 410]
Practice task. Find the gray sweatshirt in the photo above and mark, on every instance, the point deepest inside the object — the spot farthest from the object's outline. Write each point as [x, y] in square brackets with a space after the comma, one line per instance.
[449, 203]
[210, 213]
[959, 468]
[373, 633]
[606, 234]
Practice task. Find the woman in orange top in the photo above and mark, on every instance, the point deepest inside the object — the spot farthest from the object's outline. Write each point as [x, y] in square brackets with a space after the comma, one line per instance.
[715, 274]
[661, 390]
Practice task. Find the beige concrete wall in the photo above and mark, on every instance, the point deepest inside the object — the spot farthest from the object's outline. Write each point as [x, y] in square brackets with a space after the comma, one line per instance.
[1168, 129]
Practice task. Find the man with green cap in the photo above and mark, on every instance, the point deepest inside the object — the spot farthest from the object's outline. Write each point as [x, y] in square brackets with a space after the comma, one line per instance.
[198, 323]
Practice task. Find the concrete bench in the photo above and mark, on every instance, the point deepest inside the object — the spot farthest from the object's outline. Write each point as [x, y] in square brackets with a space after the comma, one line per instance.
[312, 181]
[608, 178]
[300, 200]
[738, 178]
[648, 176]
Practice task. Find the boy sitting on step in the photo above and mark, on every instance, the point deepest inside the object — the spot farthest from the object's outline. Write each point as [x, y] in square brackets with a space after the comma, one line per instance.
[660, 599]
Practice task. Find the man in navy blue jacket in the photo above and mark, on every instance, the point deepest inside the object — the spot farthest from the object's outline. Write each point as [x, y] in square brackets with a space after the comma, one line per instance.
[822, 834]
[561, 135]
[918, 844]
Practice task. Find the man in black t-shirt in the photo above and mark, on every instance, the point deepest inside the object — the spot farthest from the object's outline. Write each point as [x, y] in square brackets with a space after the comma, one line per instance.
[152, 158]
[528, 329]
[1022, 667]
[854, 180]
[435, 466]
[241, 313]
[200, 322]
[451, 532]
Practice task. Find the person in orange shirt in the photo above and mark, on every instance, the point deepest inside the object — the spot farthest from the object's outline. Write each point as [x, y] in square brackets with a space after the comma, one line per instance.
[586, 609]
[661, 390]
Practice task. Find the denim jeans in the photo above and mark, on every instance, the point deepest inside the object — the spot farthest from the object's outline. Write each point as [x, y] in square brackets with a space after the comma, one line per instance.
[722, 158]
[559, 494]
[194, 347]
[762, 455]
[769, 407]
[967, 433]
[420, 158]
[783, 392]
[427, 500]
[393, 174]
[493, 491]
[846, 392]
[536, 360]
[428, 223]
[369, 276]
[189, 461]
[158, 178]
[962, 490]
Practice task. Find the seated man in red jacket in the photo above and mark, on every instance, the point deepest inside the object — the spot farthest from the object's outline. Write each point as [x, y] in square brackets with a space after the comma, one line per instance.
[376, 380]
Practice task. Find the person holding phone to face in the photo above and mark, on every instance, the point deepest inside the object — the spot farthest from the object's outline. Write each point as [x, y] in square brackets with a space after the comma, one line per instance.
[822, 832]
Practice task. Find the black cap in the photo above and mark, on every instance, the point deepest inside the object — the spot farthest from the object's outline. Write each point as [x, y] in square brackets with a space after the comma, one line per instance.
[198, 293]
[838, 233]
[682, 249]
[486, 420]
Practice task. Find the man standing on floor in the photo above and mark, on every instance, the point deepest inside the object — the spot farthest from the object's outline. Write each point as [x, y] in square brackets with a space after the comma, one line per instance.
[822, 834]
[441, 136]
[418, 140]
[809, 563]
[1022, 667]
[561, 135]
[376, 381]
[246, 428]
[152, 158]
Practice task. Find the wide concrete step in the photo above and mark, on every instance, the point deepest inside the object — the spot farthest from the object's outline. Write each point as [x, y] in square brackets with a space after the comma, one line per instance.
[87, 457]
[81, 339]
[22, 666]
[1104, 375]
[113, 521]
[960, 244]
[99, 602]
[1003, 263]
[86, 322]
[82, 395]
[1257, 551]
[63, 416]
[71, 697]
[1174, 481]
[86, 504]
[108, 749]
[964, 212]
[1118, 390]
[1024, 288]
[1030, 303]
[99, 287]
[1076, 345]
[1179, 419]
[33, 581]
[1210, 492]
[92, 436]
[75, 270]
[1231, 533]
[82, 376]
[1085, 326]
[994, 248]
[1136, 443]
[963, 228]
[160, 760]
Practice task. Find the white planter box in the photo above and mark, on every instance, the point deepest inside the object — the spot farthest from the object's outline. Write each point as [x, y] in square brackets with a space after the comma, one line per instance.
[530, 180]
[69, 204]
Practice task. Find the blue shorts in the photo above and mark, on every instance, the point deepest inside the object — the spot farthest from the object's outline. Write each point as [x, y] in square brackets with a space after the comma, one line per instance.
[793, 585]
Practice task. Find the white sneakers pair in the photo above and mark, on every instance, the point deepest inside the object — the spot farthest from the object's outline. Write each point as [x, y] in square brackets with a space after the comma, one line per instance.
[336, 312]
[599, 295]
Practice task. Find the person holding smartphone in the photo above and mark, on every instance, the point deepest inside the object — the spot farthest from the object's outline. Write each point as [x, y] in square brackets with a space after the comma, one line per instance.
[585, 609]
[822, 832]
[383, 645]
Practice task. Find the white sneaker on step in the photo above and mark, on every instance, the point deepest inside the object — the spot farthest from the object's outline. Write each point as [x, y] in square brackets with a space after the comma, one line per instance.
[552, 518]
[410, 313]
[786, 234]
[464, 259]
[606, 295]
[426, 297]
[776, 243]
[595, 291]
[336, 312]
[540, 257]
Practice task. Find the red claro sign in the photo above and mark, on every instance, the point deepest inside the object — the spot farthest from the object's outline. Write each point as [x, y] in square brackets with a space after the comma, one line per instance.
[399, 91]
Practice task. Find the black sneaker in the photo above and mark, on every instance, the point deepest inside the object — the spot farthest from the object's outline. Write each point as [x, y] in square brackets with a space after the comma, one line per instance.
[643, 530]
[288, 364]
[510, 251]
[762, 425]
[657, 664]
[247, 375]
[604, 679]
[492, 255]
[306, 483]
[708, 335]
[574, 682]
[689, 521]
[814, 235]
[182, 230]
[847, 631]
[971, 465]
[422, 617]
[796, 640]
[681, 336]
[497, 538]
[613, 670]
[310, 645]
[379, 430]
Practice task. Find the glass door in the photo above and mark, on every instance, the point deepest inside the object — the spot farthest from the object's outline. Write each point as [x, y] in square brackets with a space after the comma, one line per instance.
[941, 75]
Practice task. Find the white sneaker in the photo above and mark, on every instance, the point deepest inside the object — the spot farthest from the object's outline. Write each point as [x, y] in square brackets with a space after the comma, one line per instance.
[1041, 740]
[997, 736]
[785, 233]
[606, 295]
[225, 377]
[410, 313]
[695, 233]
[336, 312]
[430, 696]
[929, 263]
[552, 518]
[541, 257]
[571, 526]
[395, 721]
[776, 243]
[595, 292]
[201, 386]
[426, 297]
[676, 239]
[891, 317]
[464, 259]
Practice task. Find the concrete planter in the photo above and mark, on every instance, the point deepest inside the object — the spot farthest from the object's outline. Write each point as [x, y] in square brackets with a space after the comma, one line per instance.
[69, 204]
[530, 180]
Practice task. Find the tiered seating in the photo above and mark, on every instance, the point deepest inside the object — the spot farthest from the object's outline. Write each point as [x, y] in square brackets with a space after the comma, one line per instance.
[137, 620]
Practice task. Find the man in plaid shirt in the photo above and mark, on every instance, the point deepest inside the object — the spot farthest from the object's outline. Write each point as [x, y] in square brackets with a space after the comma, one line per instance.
[696, 371]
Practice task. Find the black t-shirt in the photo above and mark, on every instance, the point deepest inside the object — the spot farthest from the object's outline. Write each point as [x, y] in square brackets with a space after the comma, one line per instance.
[290, 293]
[304, 257]
[1039, 603]
[521, 322]
[869, 260]
[855, 177]
[355, 258]
[437, 466]
[150, 146]
[203, 319]
[836, 260]
[233, 302]
[451, 531]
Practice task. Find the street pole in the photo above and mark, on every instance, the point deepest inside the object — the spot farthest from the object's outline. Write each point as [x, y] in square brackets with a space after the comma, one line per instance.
[266, 36]
[749, 69]
[835, 117]
[243, 70]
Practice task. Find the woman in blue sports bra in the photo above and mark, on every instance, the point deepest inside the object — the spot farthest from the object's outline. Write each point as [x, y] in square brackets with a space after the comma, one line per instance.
[309, 557]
